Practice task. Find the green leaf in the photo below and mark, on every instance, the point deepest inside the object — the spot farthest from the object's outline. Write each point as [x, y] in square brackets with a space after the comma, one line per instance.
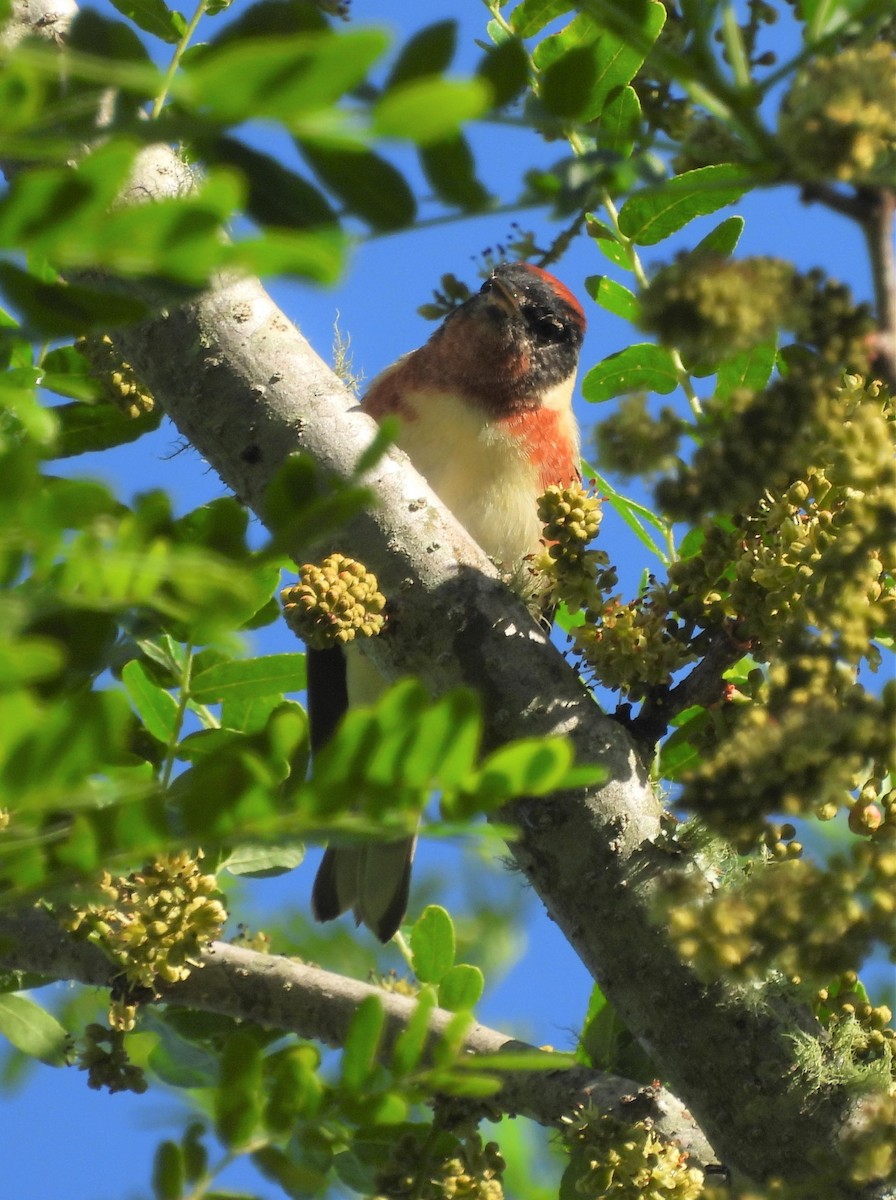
[246, 678]
[528, 767]
[168, 1171]
[368, 185]
[609, 244]
[86, 429]
[445, 742]
[620, 121]
[31, 1029]
[531, 16]
[430, 110]
[505, 68]
[432, 944]
[567, 84]
[825, 17]
[155, 17]
[461, 987]
[643, 367]
[722, 240]
[411, 1042]
[294, 1178]
[280, 77]
[239, 1094]
[362, 1044]
[293, 1087]
[450, 169]
[276, 195]
[318, 255]
[105, 39]
[63, 310]
[635, 515]
[428, 52]
[157, 708]
[619, 57]
[653, 214]
[750, 369]
[614, 297]
[258, 861]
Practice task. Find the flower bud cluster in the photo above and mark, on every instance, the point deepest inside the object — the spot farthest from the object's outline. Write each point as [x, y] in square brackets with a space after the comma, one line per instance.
[334, 602]
[106, 1061]
[633, 647]
[807, 921]
[632, 442]
[626, 1161]
[837, 119]
[702, 303]
[449, 1168]
[577, 576]
[120, 384]
[154, 926]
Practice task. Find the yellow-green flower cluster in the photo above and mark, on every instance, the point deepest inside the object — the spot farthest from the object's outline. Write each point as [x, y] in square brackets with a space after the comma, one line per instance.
[870, 1145]
[633, 442]
[577, 576]
[106, 1061]
[154, 926]
[632, 647]
[804, 745]
[705, 305]
[821, 552]
[808, 922]
[448, 1168]
[612, 1160]
[120, 385]
[334, 602]
[837, 118]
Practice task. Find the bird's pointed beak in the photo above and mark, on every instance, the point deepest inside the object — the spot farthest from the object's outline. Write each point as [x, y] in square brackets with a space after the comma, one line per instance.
[504, 297]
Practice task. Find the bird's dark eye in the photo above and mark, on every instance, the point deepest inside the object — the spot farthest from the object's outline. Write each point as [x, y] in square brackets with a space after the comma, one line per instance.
[545, 326]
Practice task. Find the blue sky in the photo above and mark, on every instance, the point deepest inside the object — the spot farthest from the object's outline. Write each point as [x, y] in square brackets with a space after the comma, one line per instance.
[60, 1138]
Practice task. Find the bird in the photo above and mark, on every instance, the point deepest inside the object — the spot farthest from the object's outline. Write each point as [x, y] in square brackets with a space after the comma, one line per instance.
[485, 408]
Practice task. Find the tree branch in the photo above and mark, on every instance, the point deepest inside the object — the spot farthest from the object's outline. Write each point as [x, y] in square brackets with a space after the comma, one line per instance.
[704, 685]
[283, 994]
[874, 210]
[246, 389]
[242, 384]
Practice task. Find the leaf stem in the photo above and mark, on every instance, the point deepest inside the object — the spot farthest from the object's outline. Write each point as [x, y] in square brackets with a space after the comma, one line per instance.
[182, 702]
[159, 102]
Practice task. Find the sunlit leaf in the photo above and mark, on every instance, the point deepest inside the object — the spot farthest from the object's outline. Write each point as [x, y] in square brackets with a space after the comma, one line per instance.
[643, 367]
[654, 213]
[432, 944]
[157, 708]
[31, 1029]
[430, 110]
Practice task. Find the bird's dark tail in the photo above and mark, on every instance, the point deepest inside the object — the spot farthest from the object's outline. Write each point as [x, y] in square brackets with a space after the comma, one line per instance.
[373, 881]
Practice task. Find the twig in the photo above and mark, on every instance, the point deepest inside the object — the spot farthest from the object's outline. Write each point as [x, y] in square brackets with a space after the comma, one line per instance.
[703, 686]
[874, 210]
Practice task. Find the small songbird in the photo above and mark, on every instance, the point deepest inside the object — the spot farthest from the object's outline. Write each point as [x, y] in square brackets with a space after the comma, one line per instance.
[486, 418]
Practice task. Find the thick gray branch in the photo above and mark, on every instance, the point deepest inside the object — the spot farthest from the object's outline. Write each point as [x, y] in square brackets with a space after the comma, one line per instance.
[287, 995]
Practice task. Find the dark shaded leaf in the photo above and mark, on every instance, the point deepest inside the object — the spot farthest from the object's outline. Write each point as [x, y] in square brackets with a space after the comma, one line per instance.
[85, 429]
[428, 52]
[369, 186]
[276, 195]
[505, 68]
